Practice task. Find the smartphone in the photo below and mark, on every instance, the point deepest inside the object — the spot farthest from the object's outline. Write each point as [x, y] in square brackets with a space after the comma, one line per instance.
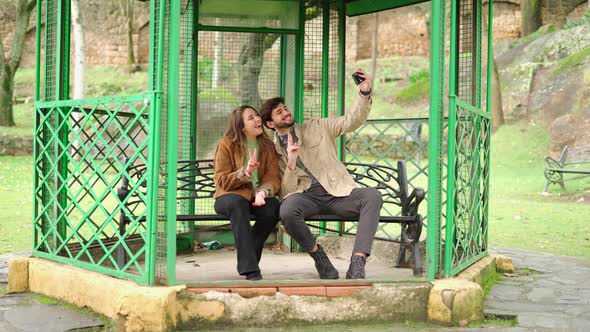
[357, 79]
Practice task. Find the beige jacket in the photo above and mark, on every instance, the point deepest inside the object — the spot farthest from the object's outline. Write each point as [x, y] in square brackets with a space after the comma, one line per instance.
[318, 139]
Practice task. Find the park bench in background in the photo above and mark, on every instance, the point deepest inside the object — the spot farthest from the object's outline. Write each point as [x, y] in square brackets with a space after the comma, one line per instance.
[195, 182]
[575, 161]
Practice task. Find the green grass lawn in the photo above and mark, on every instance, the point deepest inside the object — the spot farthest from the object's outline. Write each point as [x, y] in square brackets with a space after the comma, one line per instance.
[16, 188]
[520, 216]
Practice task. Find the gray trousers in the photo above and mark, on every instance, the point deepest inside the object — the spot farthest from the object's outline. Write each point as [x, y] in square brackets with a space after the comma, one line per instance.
[363, 203]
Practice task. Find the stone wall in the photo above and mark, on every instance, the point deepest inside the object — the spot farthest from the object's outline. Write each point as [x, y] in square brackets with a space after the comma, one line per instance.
[16, 145]
[401, 31]
[104, 32]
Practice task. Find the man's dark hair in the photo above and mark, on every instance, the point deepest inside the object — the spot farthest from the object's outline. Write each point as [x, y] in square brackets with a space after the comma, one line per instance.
[268, 106]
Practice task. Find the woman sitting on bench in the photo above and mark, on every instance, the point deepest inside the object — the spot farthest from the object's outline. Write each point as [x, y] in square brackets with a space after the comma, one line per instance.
[245, 186]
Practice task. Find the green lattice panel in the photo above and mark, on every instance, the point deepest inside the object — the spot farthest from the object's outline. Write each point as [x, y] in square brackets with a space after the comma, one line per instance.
[82, 151]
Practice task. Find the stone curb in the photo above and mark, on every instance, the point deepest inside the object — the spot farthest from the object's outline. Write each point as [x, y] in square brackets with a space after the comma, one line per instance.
[460, 299]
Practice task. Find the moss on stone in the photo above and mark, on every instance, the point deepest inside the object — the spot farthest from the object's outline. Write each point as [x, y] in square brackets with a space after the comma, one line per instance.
[569, 62]
[542, 31]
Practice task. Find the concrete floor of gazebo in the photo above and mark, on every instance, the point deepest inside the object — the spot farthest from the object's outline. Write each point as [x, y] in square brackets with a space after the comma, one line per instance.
[220, 265]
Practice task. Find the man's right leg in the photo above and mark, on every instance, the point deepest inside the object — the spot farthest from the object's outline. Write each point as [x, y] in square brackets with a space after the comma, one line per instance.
[294, 209]
[237, 209]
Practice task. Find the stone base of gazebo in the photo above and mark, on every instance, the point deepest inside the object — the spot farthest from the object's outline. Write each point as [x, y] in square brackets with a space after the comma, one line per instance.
[214, 295]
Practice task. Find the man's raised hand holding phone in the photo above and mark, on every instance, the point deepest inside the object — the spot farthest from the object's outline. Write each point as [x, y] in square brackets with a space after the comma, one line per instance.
[364, 84]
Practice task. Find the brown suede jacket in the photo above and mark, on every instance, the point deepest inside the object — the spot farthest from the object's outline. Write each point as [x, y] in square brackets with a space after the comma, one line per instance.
[229, 167]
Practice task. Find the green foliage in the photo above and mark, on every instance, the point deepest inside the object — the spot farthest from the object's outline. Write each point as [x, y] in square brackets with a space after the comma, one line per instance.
[419, 76]
[418, 89]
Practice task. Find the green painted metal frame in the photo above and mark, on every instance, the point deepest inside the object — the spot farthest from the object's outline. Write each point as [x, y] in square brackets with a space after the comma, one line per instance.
[341, 70]
[490, 60]
[156, 94]
[37, 99]
[435, 146]
[63, 66]
[68, 104]
[154, 125]
[450, 226]
[172, 135]
[325, 68]
[299, 64]
[450, 268]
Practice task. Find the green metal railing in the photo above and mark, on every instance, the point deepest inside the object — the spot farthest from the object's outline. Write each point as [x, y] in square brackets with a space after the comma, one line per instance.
[384, 142]
[466, 226]
[76, 203]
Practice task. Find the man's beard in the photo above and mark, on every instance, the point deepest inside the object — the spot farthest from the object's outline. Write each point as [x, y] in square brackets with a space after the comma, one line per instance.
[284, 125]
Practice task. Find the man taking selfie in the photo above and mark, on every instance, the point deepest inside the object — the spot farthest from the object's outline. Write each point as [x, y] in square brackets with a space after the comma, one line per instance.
[315, 181]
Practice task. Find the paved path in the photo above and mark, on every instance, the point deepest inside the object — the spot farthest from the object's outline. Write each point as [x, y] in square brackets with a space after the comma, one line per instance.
[546, 293]
[28, 313]
[556, 297]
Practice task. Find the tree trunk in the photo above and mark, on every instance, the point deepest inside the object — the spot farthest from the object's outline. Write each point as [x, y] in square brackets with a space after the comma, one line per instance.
[496, 107]
[80, 51]
[251, 60]
[218, 51]
[6, 93]
[8, 66]
[530, 12]
[130, 52]
[126, 7]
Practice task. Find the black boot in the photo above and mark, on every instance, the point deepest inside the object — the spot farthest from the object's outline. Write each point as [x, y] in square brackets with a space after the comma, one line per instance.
[322, 263]
[356, 270]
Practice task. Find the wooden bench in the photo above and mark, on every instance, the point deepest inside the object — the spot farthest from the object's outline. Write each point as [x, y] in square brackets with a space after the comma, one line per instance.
[555, 169]
[195, 182]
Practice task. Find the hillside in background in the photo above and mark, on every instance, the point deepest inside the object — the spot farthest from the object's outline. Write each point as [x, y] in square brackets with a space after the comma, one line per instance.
[545, 78]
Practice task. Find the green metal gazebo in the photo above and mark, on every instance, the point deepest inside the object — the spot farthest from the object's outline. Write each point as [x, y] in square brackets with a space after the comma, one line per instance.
[207, 57]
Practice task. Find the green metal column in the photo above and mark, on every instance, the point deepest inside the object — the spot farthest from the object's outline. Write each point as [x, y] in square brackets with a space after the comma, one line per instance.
[35, 204]
[450, 217]
[63, 117]
[172, 137]
[325, 68]
[325, 55]
[157, 24]
[437, 58]
[489, 108]
[38, 52]
[300, 42]
[341, 71]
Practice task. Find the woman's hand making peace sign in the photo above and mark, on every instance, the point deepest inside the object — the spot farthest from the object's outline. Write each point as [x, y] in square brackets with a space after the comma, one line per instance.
[252, 162]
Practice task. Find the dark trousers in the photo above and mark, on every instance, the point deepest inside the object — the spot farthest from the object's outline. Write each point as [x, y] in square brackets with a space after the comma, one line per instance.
[362, 203]
[249, 240]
